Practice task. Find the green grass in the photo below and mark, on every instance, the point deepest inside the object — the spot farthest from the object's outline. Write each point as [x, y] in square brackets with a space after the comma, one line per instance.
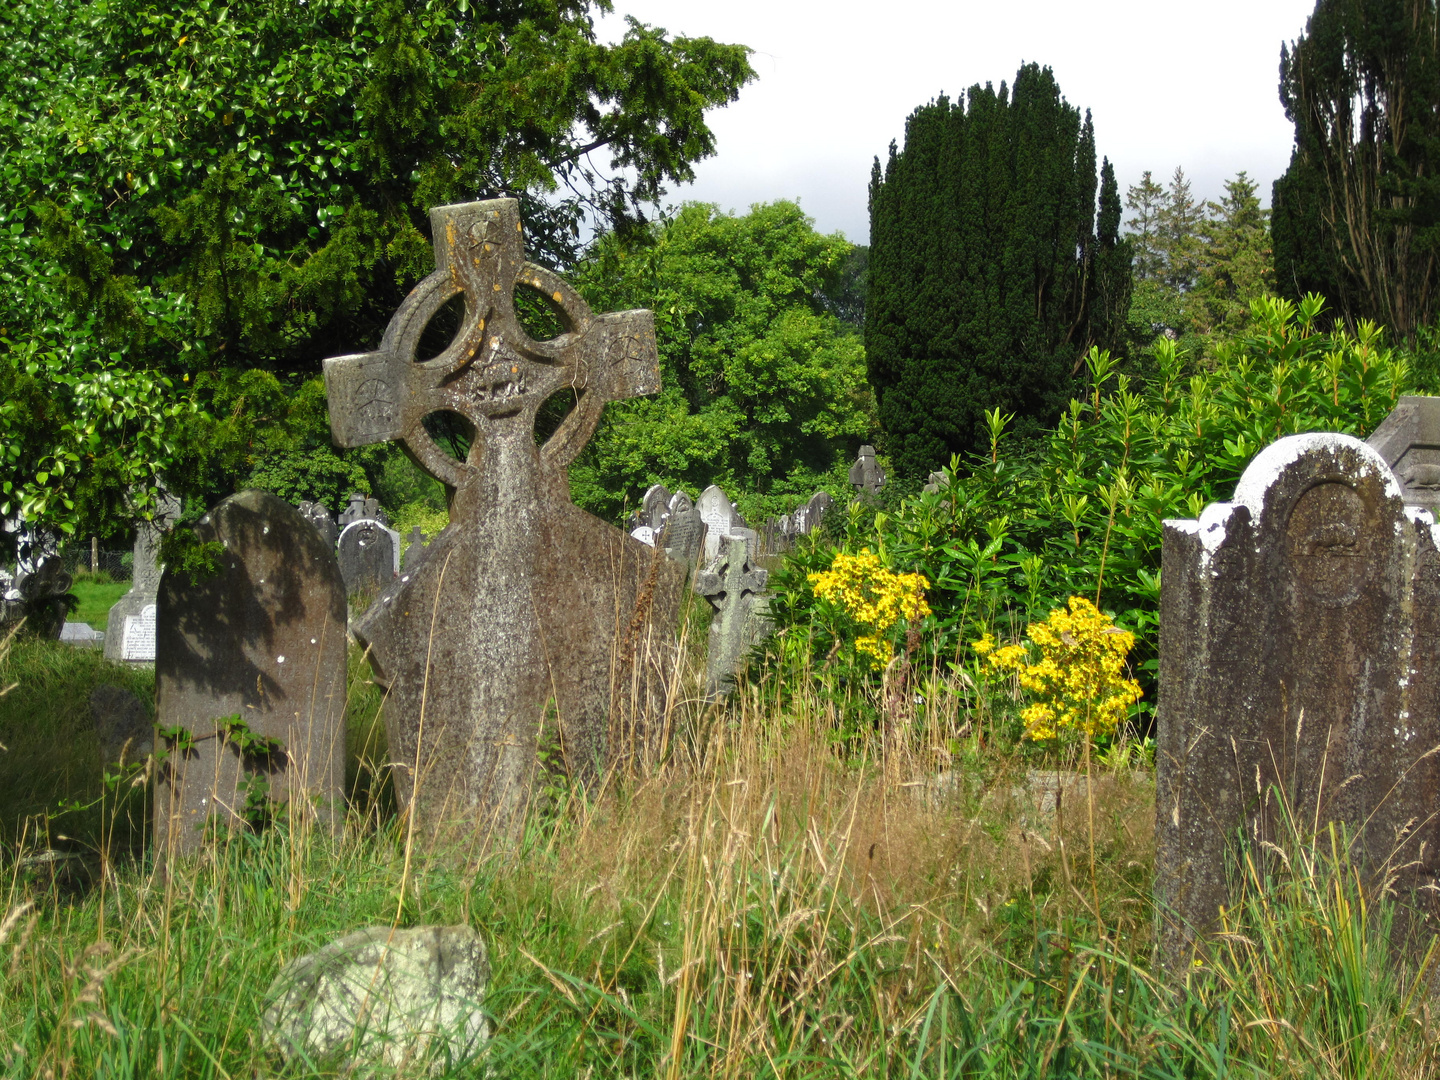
[753, 904]
[96, 599]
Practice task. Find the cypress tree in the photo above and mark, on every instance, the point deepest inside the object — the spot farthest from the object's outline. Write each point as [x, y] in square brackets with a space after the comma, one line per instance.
[991, 273]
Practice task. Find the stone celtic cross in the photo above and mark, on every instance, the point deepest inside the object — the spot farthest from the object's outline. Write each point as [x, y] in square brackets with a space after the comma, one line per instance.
[735, 588]
[525, 602]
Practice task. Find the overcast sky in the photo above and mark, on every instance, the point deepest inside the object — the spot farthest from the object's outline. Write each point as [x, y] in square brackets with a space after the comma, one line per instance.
[1169, 84]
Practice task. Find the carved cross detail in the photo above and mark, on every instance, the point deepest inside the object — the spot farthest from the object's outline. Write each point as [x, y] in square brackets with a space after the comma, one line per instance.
[731, 578]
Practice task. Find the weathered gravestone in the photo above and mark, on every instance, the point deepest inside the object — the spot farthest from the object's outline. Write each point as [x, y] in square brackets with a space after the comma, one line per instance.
[360, 507]
[524, 599]
[684, 531]
[735, 588]
[130, 626]
[318, 514]
[1409, 441]
[369, 555]
[1299, 668]
[655, 506]
[866, 475]
[262, 640]
[720, 517]
[81, 635]
[414, 549]
[644, 534]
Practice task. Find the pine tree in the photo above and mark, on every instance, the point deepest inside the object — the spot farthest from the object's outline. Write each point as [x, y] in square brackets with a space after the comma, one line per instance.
[990, 276]
[1234, 265]
[1147, 199]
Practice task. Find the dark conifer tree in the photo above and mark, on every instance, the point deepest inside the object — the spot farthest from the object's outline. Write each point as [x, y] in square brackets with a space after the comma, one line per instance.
[989, 279]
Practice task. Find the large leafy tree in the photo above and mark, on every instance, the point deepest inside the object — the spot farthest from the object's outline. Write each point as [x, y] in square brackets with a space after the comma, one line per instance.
[196, 190]
[764, 385]
[1357, 213]
[990, 276]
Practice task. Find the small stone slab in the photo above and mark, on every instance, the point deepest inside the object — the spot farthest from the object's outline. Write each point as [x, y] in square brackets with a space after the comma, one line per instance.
[137, 636]
[383, 997]
[263, 639]
[1299, 650]
[81, 635]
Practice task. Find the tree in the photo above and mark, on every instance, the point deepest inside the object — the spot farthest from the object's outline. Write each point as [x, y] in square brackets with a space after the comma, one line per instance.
[988, 278]
[201, 189]
[1147, 200]
[1357, 213]
[763, 387]
[1233, 265]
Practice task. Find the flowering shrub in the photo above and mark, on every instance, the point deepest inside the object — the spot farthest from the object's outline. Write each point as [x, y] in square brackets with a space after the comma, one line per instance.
[1079, 682]
[874, 597]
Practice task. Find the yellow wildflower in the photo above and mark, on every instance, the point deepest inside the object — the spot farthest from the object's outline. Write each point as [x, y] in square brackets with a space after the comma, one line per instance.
[874, 597]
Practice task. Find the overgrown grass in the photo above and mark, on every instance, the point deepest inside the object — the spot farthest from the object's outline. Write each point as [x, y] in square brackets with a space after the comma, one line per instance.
[758, 902]
[96, 598]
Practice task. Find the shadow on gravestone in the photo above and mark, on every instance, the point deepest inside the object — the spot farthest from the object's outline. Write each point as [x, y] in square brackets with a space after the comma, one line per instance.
[1299, 640]
[369, 555]
[524, 600]
[319, 515]
[262, 640]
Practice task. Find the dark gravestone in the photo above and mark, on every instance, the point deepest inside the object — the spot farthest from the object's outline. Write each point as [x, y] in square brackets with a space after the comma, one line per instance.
[684, 531]
[866, 475]
[1409, 440]
[525, 601]
[121, 723]
[1299, 651]
[41, 597]
[263, 639]
[319, 516]
[735, 588]
[130, 626]
[414, 549]
[367, 553]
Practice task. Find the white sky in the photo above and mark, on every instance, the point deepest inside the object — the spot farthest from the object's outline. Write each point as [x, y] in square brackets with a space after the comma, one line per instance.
[1169, 84]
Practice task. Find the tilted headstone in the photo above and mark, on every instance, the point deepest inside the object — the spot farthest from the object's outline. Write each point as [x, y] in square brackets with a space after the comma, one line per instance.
[263, 639]
[362, 508]
[735, 588]
[720, 518]
[1299, 640]
[644, 534]
[318, 514]
[1409, 441]
[866, 475]
[684, 533]
[655, 507]
[524, 600]
[130, 627]
[369, 555]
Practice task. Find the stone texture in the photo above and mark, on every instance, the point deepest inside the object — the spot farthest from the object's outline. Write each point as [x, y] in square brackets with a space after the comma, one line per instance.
[369, 555]
[382, 998]
[735, 588]
[144, 582]
[121, 723]
[1299, 652]
[318, 514]
[524, 600]
[1409, 441]
[264, 639]
[866, 475]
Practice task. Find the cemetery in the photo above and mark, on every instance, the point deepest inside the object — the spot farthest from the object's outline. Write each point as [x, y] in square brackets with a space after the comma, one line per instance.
[529, 639]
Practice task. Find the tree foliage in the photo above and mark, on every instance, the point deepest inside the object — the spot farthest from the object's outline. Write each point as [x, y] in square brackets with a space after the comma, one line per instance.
[764, 388]
[990, 276]
[1357, 213]
[201, 189]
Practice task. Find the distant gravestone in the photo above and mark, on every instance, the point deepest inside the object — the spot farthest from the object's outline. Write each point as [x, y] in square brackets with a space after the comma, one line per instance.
[720, 518]
[81, 635]
[935, 483]
[735, 588]
[382, 996]
[866, 475]
[1299, 652]
[525, 602]
[129, 631]
[40, 598]
[644, 534]
[655, 507]
[362, 508]
[369, 555]
[1409, 441]
[684, 533]
[122, 724]
[262, 640]
[808, 517]
[319, 515]
[414, 549]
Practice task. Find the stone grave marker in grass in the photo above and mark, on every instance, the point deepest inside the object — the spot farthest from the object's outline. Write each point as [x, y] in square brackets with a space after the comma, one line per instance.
[525, 601]
[369, 555]
[1299, 682]
[735, 588]
[129, 627]
[250, 677]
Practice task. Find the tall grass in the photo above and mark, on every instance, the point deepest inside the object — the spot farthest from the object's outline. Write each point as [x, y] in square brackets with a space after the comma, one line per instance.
[755, 901]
